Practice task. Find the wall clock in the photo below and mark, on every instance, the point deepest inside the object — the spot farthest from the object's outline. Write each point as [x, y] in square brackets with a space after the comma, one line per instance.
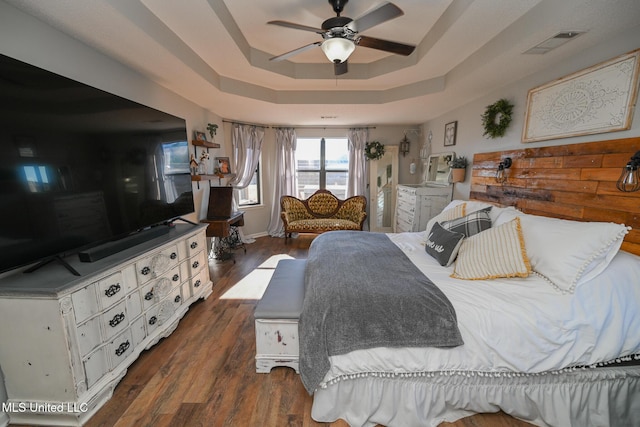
[450, 133]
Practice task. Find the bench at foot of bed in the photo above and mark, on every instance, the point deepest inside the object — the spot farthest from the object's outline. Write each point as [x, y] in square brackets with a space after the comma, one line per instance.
[276, 317]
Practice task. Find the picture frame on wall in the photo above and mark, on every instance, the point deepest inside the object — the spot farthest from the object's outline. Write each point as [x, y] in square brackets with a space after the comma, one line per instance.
[223, 165]
[199, 136]
[450, 131]
[598, 99]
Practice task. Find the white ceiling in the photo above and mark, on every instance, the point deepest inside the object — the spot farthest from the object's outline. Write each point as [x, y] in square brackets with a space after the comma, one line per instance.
[216, 52]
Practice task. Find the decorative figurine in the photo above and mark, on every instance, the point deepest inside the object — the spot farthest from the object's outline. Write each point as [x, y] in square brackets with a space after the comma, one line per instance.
[193, 165]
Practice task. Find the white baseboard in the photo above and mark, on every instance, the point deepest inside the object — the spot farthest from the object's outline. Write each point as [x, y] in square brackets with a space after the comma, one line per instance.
[256, 235]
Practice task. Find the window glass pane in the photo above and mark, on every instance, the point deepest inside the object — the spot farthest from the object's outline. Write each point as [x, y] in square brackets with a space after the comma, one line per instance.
[249, 195]
[308, 183]
[337, 184]
[308, 153]
[336, 154]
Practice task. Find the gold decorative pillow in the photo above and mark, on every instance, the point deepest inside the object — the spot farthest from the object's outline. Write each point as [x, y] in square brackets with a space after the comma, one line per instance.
[496, 252]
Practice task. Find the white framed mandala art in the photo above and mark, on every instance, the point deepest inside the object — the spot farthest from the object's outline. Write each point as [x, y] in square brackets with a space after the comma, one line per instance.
[598, 99]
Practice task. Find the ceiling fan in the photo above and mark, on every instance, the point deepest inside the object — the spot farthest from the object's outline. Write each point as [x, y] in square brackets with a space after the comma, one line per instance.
[341, 34]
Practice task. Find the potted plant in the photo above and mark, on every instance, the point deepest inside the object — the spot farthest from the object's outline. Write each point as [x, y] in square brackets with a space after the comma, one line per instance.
[458, 168]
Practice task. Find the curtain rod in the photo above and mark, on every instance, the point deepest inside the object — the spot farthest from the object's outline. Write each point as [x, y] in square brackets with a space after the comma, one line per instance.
[296, 127]
[245, 123]
[327, 127]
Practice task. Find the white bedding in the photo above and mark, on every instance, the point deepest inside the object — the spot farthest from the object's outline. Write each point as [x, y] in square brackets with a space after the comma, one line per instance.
[515, 325]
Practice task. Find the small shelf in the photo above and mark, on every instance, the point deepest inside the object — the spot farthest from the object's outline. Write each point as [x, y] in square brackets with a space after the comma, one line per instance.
[198, 178]
[206, 144]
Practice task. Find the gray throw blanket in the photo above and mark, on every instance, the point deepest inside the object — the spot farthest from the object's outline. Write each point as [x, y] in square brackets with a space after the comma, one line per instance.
[363, 292]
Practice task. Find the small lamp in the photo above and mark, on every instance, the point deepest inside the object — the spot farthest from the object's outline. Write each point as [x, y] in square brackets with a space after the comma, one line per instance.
[404, 145]
[337, 49]
[629, 180]
[501, 174]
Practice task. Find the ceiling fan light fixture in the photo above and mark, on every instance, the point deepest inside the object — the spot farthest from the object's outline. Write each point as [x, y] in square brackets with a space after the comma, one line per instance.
[337, 49]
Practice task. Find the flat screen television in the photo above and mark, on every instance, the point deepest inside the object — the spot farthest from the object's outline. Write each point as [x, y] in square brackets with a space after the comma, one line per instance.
[80, 167]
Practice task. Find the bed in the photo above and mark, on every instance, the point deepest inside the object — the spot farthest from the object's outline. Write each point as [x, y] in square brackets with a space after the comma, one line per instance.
[549, 323]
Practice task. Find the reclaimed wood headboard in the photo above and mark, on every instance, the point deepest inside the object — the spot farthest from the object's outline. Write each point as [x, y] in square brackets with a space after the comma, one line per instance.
[576, 182]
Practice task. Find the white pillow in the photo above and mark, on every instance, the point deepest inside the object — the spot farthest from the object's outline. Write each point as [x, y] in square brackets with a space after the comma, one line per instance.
[452, 211]
[568, 253]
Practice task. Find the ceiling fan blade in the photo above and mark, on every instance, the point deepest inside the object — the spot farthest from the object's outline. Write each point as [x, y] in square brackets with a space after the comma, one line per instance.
[386, 45]
[377, 16]
[297, 26]
[295, 52]
[340, 68]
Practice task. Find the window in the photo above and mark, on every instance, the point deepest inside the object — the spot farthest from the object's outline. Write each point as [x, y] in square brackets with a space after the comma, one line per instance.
[250, 195]
[322, 163]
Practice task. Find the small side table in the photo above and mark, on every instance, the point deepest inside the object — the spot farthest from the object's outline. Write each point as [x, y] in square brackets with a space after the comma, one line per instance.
[225, 229]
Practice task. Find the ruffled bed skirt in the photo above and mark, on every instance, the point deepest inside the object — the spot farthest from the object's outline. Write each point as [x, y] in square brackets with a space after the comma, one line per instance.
[608, 396]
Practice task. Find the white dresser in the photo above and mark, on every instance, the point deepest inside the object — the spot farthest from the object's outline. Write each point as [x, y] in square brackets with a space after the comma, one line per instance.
[417, 204]
[67, 341]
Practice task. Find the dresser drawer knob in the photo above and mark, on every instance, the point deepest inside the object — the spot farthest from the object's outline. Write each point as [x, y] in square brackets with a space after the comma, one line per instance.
[122, 348]
[175, 277]
[145, 271]
[177, 299]
[153, 320]
[194, 245]
[173, 255]
[149, 295]
[197, 284]
[113, 289]
[195, 264]
[116, 320]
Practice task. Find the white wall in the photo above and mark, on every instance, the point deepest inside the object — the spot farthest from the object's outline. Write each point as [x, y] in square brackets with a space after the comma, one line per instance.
[470, 130]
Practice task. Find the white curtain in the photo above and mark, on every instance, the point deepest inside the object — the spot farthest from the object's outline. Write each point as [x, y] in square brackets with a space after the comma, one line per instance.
[246, 142]
[285, 173]
[357, 180]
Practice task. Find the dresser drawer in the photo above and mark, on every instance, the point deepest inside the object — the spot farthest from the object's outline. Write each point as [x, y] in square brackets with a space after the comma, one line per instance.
[197, 263]
[110, 290]
[195, 244]
[95, 366]
[89, 335]
[85, 303]
[158, 289]
[403, 226]
[169, 305]
[197, 283]
[157, 264]
[120, 348]
[114, 320]
[134, 305]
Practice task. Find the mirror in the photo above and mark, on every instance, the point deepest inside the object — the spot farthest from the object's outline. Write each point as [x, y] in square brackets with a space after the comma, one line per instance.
[438, 169]
[383, 178]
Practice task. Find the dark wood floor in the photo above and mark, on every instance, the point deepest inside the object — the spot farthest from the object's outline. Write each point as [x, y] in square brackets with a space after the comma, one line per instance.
[204, 373]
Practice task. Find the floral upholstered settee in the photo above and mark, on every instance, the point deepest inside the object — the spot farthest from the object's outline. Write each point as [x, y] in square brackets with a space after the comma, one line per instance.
[321, 212]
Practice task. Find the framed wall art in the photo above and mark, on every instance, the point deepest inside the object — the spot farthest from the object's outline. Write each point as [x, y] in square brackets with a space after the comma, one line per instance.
[450, 130]
[595, 100]
[223, 165]
[199, 136]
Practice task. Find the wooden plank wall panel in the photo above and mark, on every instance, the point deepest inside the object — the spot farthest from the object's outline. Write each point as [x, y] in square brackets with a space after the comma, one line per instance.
[576, 181]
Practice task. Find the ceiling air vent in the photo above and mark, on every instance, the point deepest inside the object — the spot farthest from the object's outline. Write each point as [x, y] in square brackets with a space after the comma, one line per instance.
[553, 42]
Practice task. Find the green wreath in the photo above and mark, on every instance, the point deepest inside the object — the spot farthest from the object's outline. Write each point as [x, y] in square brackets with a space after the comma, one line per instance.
[374, 150]
[496, 118]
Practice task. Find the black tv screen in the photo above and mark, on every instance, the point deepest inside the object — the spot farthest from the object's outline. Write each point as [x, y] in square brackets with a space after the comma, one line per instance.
[80, 166]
